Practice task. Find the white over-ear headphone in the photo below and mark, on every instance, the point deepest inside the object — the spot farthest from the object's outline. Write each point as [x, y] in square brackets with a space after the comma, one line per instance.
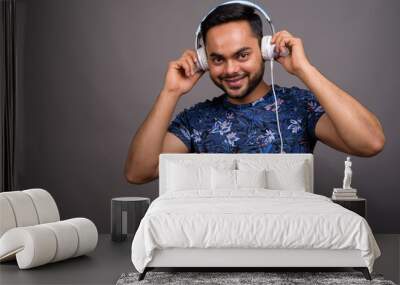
[267, 49]
[267, 52]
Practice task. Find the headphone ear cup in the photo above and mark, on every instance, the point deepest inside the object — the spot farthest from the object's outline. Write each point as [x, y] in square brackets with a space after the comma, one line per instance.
[267, 49]
[202, 59]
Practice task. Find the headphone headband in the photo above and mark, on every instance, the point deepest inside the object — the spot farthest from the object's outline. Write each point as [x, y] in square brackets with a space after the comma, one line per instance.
[243, 2]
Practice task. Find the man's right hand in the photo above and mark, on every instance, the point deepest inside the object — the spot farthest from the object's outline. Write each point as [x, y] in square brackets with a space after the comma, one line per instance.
[182, 74]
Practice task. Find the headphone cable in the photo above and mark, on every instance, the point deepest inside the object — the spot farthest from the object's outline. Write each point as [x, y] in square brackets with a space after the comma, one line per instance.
[276, 104]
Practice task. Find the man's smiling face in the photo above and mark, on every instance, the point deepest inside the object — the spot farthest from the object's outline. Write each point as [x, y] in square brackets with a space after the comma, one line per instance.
[234, 58]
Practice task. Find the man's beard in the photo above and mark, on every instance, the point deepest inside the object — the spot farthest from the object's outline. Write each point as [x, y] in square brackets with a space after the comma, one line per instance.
[253, 83]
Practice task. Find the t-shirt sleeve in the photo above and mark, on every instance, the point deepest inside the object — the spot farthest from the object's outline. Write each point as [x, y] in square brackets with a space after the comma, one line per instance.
[180, 127]
[314, 111]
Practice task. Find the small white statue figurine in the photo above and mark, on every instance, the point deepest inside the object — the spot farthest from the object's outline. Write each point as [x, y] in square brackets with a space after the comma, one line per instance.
[347, 174]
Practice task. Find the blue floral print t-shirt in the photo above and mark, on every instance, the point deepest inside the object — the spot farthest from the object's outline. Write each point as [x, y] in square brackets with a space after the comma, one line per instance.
[219, 126]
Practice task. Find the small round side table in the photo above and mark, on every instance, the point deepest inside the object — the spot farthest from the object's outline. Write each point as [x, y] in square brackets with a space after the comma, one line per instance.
[126, 214]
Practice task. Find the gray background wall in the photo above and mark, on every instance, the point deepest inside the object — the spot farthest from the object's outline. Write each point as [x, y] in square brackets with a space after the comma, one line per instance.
[89, 72]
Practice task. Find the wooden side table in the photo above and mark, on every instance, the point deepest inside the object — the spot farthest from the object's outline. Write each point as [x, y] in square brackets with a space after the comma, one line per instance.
[358, 205]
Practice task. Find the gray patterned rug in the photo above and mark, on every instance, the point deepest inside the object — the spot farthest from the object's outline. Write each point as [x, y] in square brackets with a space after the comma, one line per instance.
[270, 278]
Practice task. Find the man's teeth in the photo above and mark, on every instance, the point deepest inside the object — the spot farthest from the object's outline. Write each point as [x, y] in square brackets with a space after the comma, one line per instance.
[233, 80]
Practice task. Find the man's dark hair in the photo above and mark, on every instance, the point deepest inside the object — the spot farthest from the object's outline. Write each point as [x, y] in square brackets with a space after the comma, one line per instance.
[229, 13]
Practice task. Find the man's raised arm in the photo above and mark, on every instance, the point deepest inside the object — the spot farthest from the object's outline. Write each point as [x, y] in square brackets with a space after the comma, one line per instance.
[347, 125]
[152, 138]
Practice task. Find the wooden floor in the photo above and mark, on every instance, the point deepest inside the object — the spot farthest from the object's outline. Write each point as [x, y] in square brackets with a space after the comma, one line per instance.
[111, 259]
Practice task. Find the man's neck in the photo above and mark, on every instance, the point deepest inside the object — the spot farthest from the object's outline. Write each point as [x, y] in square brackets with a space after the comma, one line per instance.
[260, 91]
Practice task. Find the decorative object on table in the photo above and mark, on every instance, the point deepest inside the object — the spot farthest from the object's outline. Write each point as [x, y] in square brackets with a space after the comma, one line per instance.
[347, 174]
[346, 193]
[31, 231]
[124, 209]
[248, 278]
[358, 205]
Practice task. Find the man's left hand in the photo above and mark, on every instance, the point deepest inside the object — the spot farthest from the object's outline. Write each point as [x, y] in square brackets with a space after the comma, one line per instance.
[296, 62]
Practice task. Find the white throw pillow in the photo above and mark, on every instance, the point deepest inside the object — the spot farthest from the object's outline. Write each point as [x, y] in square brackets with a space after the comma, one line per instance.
[183, 178]
[193, 174]
[251, 178]
[282, 174]
[225, 179]
[289, 179]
